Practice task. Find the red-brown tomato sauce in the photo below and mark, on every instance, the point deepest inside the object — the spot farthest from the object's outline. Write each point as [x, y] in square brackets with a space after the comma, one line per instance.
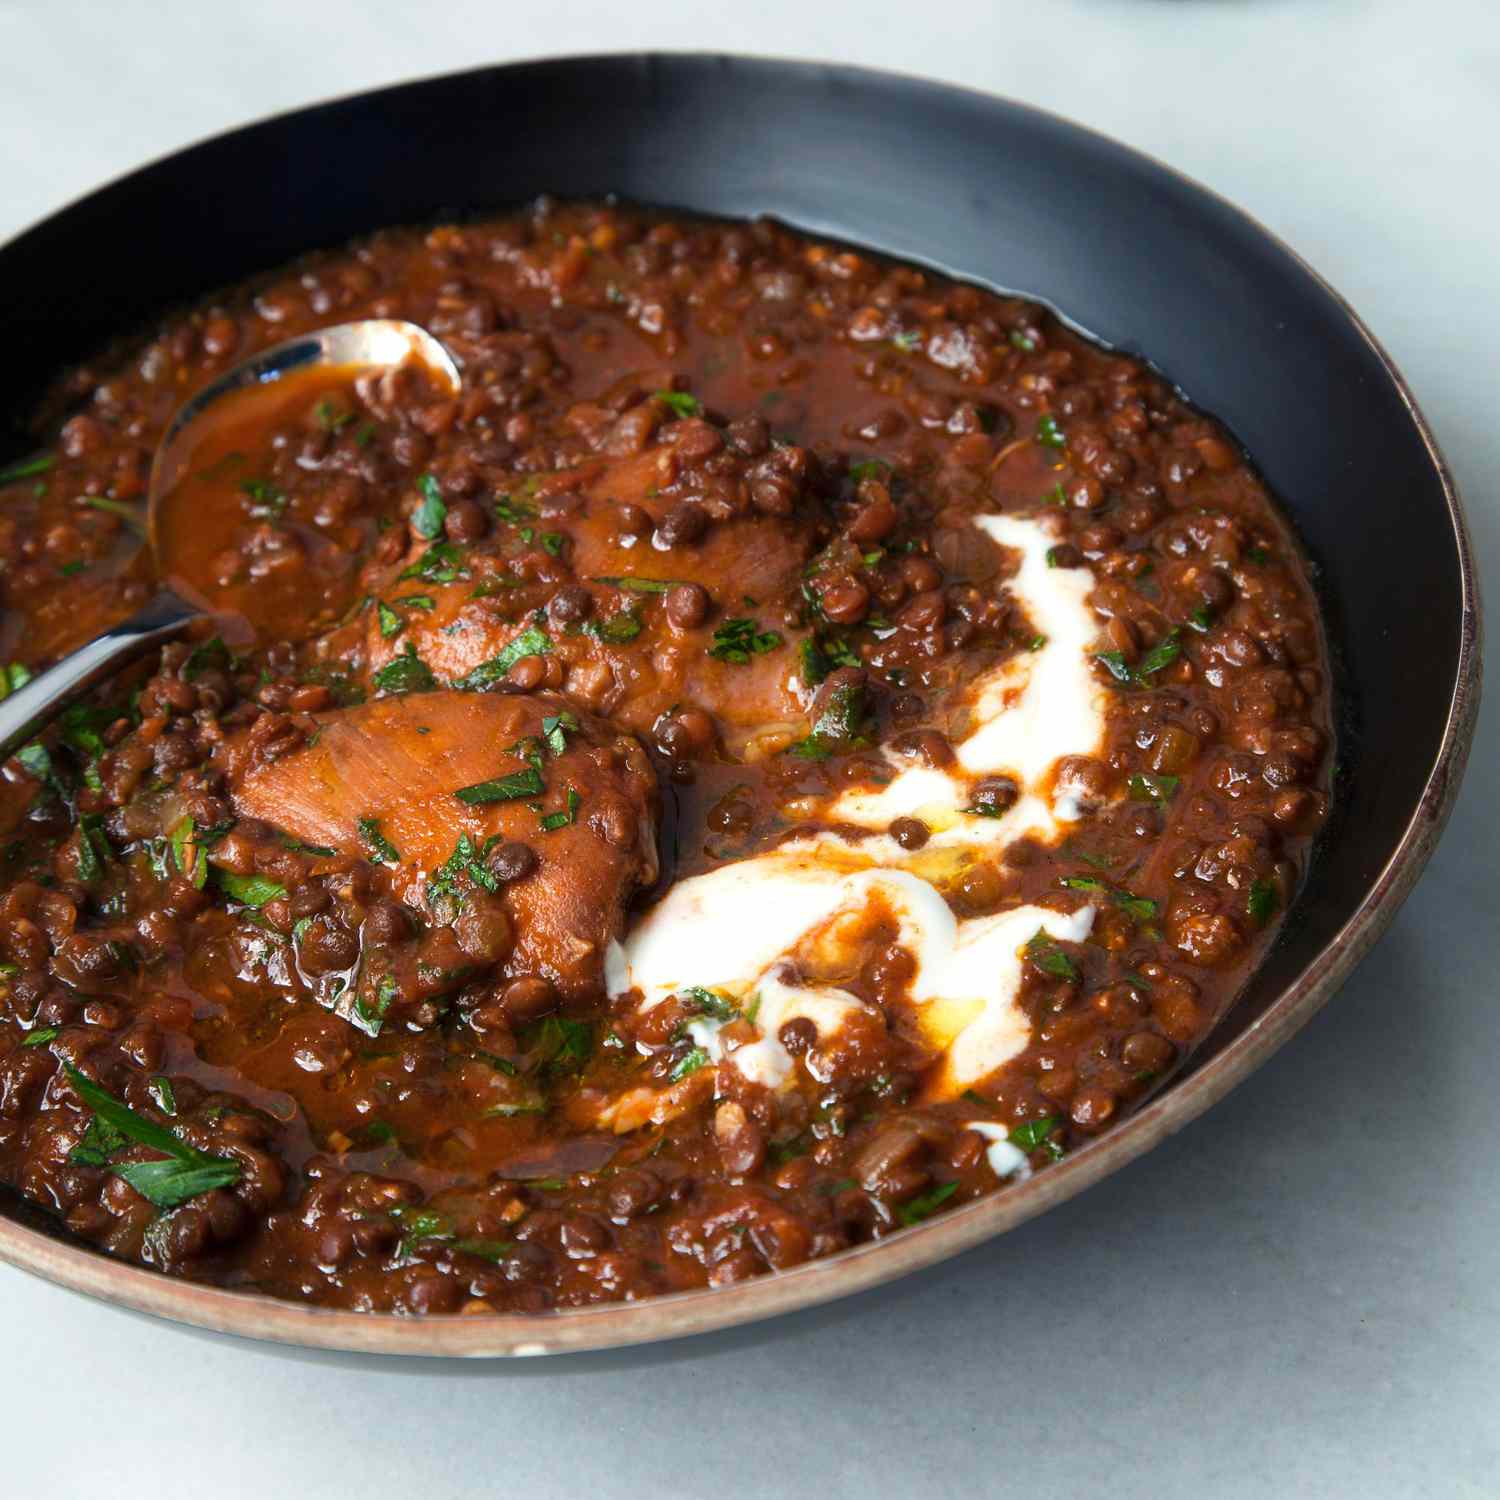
[376, 1041]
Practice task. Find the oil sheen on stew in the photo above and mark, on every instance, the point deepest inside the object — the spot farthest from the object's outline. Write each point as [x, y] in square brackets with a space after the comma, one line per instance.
[797, 745]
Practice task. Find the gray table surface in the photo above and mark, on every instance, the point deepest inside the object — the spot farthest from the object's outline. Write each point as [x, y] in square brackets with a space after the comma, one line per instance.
[1296, 1297]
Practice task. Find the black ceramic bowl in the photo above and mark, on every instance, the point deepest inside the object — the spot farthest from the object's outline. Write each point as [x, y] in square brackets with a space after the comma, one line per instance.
[984, 189]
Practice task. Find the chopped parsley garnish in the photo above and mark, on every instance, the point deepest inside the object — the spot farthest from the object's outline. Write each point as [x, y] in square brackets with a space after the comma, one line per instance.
[187, 852]
[161, 1090]
[527, 783]
[871, 468]
[681, 403]
[1261, 903]
[1055, 496]
[41, 1036]
[555, 730]
[907, 342]
[428, 518]
[467, 859]
[405, 673]
[1161, 655]
[709, 1002]
[1146, 787]
[838, 726]
[442, 562]
[689, 1062]
[94, 851]
[127, 513]
[1141, 908]
[251, 890]
[381, 849]
[27, 468]
[532, 641]
[371, 1017]
[552, 543]
[739, 639]
[924, 1204]
[391, 624]
[270, 500]
[329, 417]
[555, 820]
[617, 629]
[1036, 1135]
[14, 676]
[72, 569]
[1202, 619]
[1049, 434]
[1260, 556]
[417, 601]
[184, 1174]
[1043, 951]
[513, 512]
[211, 656]
[631, 584]
[560, 1044]
[820, 655]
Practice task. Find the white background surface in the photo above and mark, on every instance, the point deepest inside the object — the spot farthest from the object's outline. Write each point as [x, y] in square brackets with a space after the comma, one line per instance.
[1300, 1296]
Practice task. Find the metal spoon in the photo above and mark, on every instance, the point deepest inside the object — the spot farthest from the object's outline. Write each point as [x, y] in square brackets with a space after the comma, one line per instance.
[370, 344]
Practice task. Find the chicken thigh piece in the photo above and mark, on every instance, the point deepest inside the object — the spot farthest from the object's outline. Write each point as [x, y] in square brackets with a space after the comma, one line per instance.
[473, 801]
[636, 599]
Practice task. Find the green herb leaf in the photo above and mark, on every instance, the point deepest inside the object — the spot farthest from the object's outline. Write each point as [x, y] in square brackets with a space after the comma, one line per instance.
[553, 821]
[908, 343]
[710, 1002]
[688, 1063]
[442, 562]
[634, 585]
[1162, 654]
[35, 761]
[381, 849]
[1261, 903]
[1043, 951]
[428, 518]
[531, 642]
[512, 512]
[41, 1036]
[682, 404]
[27, 468]
[169, 1184]
[916, 1209]
[739, 639]
[251, 890]
[556, 728]
[1146, 787]
[1117, 666]
[552, 543]
[617, 629]
[165, 1096]
[561, 1044]
[406, 673]
[1037, 1134]
[527, 783]
[1049, 434]
[418, 601]
[485, 1249]
[391, 624]
[130, 514]
[871, 468]
[196, 1171]
[270, 500]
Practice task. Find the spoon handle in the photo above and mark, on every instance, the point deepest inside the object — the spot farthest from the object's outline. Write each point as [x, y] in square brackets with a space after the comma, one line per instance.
[29, 709]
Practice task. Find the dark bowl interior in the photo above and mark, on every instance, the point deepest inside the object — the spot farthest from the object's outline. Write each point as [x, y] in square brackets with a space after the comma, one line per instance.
[985, 189]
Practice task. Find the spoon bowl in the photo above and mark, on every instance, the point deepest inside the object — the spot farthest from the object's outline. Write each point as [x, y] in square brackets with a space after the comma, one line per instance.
[369, 344]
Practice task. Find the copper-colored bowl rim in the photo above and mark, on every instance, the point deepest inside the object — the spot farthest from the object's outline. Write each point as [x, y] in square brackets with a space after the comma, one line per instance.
[254, 1315]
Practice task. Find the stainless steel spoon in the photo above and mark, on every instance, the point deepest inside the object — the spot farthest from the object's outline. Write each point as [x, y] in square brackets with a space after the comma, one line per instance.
[370, 344]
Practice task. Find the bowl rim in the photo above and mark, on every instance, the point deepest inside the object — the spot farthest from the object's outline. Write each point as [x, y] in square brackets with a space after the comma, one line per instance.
[256, 1315]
